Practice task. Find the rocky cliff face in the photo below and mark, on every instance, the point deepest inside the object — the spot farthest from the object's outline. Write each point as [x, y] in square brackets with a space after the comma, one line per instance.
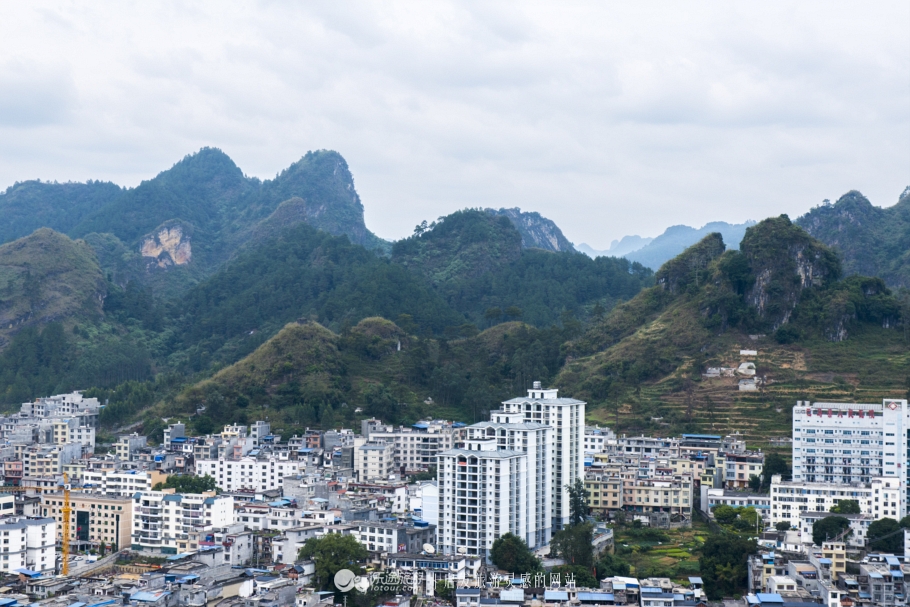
[537, 232]
[167, 246]
[785, 261]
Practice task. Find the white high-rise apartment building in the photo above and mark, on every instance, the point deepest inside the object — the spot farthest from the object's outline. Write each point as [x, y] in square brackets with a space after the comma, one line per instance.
[512, 433]
[29, 543]
[484, 493]
[247, 472]
[566, 417]
[852, 444]
[163, 521]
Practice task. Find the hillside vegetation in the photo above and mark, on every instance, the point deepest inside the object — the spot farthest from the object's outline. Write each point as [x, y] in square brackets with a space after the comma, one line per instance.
[307, 375]
[476, 261]
[46, 277]
[781, 294]
[212, 297]
[871, 241]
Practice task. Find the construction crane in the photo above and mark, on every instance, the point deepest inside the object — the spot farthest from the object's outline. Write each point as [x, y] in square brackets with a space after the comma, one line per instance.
[65, 549]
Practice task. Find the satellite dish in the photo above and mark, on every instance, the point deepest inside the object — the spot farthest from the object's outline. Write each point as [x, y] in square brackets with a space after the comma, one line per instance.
[429, 548]
[462, 550]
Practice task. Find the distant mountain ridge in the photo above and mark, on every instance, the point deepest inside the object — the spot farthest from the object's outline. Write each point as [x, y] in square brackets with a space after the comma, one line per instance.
[654, 252]
[677, 239]
[618, 248]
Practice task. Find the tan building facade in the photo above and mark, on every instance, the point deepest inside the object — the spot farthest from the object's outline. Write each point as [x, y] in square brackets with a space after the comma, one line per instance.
[94, 518]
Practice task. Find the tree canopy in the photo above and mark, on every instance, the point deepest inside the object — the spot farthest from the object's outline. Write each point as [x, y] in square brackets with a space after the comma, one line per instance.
[187, 484]
[723, 564]
[511, 553]
[333, 552]
[828, 528]
[573, 544]
[883, 536]
[846, 507]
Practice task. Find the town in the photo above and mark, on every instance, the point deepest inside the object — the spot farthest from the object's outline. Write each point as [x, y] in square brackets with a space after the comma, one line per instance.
[437, 511]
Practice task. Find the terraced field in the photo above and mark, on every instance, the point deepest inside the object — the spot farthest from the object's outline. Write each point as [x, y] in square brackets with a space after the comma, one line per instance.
[866, 368]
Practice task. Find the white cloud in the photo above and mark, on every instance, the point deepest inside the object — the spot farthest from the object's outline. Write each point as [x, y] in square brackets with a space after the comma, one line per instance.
[610, 118]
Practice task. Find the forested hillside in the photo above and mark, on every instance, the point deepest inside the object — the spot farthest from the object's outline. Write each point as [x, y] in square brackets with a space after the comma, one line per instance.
[782, 294]
[470, 272]
[476, 261]
[175, 229]
[209, 296]
[46, 278]
[871, 241]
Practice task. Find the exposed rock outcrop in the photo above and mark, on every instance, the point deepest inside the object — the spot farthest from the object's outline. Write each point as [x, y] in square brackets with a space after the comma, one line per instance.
[168, 246]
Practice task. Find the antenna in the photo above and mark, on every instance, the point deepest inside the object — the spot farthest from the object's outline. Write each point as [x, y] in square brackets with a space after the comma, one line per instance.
[429, 548]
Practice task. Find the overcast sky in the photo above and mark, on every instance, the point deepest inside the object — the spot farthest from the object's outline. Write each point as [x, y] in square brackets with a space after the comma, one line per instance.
[611, 118]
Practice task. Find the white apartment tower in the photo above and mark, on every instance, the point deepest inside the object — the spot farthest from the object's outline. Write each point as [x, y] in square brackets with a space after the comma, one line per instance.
[28, 543]
[566, 417]
[852, 444]
[512, 433]
[484, 492]
[164, 522]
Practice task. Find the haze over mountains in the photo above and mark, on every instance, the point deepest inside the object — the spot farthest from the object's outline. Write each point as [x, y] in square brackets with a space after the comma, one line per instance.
[204, 286]
[654, 252]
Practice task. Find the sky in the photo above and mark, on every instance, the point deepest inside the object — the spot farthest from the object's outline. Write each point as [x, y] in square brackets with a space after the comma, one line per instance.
[610, 118]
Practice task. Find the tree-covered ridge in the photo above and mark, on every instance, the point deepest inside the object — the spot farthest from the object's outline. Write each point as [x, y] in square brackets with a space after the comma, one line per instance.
[871, 241]
[782, 282]
[476, 261]
[217, 208]
[302, 274]
[307, 375]
[47, 277]
[29, 205]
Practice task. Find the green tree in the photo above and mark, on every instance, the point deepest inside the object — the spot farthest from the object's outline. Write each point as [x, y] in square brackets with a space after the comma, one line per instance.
[828, 528]
[204, 424]
[723, 564]
[774, 464]
[333, 552]
[511, 553]
[609, 565]
[905, 522]
[492, 315]
[749, 515]
[883, 536]
[846, 507]
[573, 544]
[578, 502]
[782, 526]
[184, 483]
[429, 475]
[754, 483]
[102, 549]
[514, 312]
[725, 515]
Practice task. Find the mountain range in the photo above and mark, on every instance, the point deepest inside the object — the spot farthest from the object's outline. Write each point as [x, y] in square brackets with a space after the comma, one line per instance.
[654, 252]
[205, 290]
